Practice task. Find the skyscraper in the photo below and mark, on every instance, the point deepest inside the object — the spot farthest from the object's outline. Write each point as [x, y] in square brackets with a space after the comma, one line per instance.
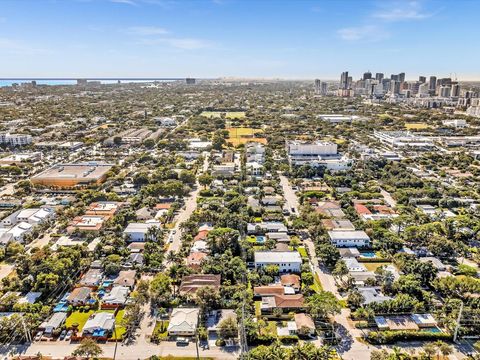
[422, 79]
[432, 85]
[455, 90]
[367, 75]
[401, 77]
[379, 77]
[344, 80]
[318, 84]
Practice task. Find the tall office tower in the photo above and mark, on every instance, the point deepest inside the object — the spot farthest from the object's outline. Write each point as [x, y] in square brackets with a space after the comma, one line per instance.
[414, 87]
[324, 88]
[394, 77]
[318, 85]
[395, 87]
[401, 77]
[445, 91]
[190, 81]
[422, 79]
[432, 85]
[379, 77]
[349, 82]
[367, 75]
[455, 90]
[423, 89]
[344, 80]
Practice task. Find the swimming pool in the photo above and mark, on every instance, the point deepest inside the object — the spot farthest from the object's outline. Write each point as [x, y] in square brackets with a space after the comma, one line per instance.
[433, 329]
[260, 239]
[368, 254]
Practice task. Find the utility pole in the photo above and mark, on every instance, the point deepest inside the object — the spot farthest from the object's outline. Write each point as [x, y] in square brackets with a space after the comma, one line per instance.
[28, 336]
[458, 323]
[116, 340]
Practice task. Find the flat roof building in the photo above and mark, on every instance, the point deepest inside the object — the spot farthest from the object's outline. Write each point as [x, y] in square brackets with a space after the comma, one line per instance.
[73, 175]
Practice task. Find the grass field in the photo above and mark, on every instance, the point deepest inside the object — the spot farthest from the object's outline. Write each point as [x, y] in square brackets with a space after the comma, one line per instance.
[416, 126]
[79, 318]
[374, 266]
[242, 135]
[228, 114]
[317, 285]
[302, 252]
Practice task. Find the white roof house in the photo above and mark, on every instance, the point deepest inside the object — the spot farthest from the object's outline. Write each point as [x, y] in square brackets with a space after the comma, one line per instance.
[99, 321]
[355, 238]
[287, 261]
[55, 321]
[183, 321]
[424, 320]
[354, 265]
[266, 227]
[117, 296]
[137, 231]
[32, 216]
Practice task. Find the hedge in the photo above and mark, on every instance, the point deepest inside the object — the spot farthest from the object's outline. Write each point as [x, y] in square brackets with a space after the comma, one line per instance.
[391, 337]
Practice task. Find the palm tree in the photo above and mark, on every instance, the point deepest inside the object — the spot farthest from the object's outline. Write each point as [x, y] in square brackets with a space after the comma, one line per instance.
[430, 350]
[444, 348]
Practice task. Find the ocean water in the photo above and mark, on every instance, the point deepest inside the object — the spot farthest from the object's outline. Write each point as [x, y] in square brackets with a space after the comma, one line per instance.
[9, 82]
[39, 82]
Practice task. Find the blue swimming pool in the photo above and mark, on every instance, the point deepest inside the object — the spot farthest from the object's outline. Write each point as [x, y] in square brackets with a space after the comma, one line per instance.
[260, 239]
[433, 329]
[368, 254]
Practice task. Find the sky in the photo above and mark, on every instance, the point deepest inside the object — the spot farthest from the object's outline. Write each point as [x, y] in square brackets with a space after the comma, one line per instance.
[292, 39]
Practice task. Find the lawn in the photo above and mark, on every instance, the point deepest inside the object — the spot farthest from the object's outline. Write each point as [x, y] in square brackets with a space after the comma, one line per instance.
[317, 285]
[160, 331]
[120, 330]
[302, 251]
[211, 114]
[235, 115]
[416, 126]
[374, 266]
[258, 311]
[79, 318]
[270, 329]
[242, 135]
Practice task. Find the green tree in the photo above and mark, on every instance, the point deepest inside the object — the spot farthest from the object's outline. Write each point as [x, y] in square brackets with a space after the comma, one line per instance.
[88, 348]
[322, 305]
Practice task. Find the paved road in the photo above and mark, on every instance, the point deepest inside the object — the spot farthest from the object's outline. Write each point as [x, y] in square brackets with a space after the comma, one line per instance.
[61, 349]
[388, 198]
[187, 211]
[351, 348]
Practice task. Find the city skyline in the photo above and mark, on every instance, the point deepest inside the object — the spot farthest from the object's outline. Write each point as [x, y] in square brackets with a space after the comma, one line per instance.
[228, 38]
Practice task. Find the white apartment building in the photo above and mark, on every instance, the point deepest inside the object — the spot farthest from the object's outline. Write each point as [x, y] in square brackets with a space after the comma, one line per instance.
[287, 261]
[354, 238]
[15, 139]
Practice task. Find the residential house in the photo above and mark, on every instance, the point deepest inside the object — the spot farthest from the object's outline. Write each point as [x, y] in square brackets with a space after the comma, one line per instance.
[191, 283]
[291, 281]
[287, 261]
[126, 278]
[215, 317]
[286, 303]
[79, 296]
[53, 323]
[117, 296]
[92, 278]
[183, 322]
[99, 324]
[305, 324]
[136, 232]
[355, 238]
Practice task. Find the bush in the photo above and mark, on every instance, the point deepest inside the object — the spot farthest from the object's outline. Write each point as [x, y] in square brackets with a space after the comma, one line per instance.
[362, 325]
[220, 342]
[288, 339]
[391, 337]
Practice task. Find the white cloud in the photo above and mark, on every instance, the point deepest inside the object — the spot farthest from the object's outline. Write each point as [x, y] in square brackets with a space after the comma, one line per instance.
[402, 11]
[367, 32]
[127, 2]
[10, 46]
[179, 43]
[146, 30]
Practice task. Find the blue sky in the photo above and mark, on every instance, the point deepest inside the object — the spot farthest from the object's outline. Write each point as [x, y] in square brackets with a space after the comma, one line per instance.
[239, 38]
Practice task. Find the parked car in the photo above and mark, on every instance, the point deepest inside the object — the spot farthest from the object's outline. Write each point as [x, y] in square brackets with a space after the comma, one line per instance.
[69, 335]
[39, 335]
[182, 341]
[63, 334]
